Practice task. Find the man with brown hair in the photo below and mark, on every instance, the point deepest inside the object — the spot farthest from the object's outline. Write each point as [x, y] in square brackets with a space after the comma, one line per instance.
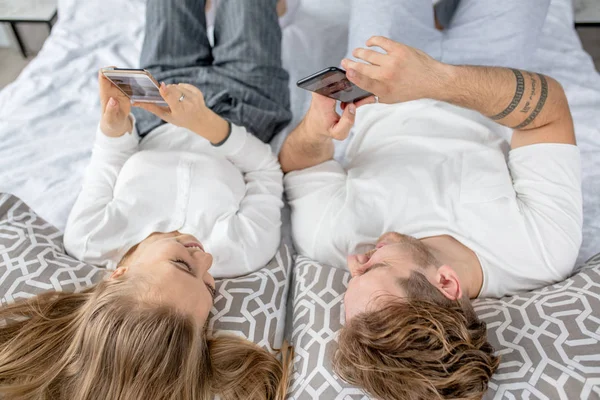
[479, 216]
[413, 341]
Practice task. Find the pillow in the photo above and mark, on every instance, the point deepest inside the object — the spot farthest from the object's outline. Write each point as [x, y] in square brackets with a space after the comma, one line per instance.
[317, 316]
[33, 260]
[549, 339]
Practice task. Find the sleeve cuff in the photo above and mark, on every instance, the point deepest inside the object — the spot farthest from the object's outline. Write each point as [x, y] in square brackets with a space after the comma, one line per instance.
[544, 149]
[129, 140]
[234, 142]
[329, 167]
[222, 142]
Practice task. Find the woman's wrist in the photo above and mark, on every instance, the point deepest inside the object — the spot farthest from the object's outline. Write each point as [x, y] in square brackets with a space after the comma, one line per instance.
[212, 127]
[116, 130]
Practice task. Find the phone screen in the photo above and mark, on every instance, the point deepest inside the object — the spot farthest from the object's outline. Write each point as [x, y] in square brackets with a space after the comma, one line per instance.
[334, 84]
[139, 87]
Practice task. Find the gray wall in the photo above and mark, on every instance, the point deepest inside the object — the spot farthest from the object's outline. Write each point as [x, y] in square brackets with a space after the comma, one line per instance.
[5, 39]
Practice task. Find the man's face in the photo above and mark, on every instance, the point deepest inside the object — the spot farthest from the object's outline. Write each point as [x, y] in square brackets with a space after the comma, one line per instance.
[377, 273]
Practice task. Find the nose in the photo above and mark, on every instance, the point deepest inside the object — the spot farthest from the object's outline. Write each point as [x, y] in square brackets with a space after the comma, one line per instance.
[355, 263]
[210, 261]
[203, 260]
[207, 276]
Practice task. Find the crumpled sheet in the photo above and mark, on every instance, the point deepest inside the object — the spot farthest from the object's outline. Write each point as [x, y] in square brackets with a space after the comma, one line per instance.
[48, 116]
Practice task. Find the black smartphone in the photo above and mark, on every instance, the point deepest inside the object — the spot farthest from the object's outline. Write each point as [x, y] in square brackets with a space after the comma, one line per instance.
[332, 82]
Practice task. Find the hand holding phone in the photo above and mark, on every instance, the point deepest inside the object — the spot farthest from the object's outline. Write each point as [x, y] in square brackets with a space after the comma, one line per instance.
[137, 84]
[333, 83]
[323, 122]
[187, 109]
[116, 108]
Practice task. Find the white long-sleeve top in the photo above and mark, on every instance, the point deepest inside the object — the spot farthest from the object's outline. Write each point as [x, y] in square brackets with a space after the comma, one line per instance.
[426, 168]
[228, 197]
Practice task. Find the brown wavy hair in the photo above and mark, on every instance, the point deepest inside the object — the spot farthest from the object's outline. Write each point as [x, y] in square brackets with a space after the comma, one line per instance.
[422, 347]
[112, 341]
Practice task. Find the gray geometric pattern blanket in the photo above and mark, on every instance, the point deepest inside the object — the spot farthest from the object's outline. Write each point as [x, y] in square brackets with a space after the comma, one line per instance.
[33, 260]
[548, 339]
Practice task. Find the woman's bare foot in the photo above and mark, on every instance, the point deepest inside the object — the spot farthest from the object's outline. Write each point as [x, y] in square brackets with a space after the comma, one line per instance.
[438, 24]
[281, 7]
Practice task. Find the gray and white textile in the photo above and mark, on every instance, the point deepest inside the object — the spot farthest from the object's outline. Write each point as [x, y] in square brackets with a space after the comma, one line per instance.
[548, 339]
[48, 116]
[33, 260]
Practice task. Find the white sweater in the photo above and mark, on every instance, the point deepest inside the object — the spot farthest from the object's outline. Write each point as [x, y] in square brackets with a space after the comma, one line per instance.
[426, 168]
[229, 197]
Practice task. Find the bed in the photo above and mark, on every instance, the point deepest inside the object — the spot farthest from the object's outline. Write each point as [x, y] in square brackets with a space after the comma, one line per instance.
[49, 114]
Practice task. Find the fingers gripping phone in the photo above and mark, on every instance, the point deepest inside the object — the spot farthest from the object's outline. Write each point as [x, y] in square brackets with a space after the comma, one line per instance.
[137, 84]
[332, 82]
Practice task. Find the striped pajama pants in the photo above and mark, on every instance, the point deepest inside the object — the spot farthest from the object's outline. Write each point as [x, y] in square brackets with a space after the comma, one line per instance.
[241, 75]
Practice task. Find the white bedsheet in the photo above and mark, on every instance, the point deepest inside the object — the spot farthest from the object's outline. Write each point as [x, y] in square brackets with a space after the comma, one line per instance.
[49, 114]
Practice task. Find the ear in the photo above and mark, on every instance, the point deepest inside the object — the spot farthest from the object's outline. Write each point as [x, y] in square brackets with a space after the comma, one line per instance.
[446, 280]
[119, 272]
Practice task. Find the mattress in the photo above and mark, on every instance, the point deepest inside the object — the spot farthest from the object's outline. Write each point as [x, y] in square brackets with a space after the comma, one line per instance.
[48, 116]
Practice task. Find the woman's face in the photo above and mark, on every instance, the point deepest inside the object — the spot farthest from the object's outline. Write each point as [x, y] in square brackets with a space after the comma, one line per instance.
[176, 268]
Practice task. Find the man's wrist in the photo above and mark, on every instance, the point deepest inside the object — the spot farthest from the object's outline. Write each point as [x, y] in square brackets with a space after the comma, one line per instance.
[312, 135]
[444, 88]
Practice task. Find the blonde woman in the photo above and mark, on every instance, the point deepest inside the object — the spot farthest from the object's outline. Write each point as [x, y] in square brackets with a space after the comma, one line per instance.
[195, 193]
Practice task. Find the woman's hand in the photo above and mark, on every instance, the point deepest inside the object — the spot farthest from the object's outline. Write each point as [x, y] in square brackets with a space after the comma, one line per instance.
[187, 109]
[116, 107]
[403, 74]
[323, 122]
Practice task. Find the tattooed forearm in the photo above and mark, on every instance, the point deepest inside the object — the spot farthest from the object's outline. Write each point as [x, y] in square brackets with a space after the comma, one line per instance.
[540, 104]
[519, 92]
[538, 111]
[517, 99]
[527, 106]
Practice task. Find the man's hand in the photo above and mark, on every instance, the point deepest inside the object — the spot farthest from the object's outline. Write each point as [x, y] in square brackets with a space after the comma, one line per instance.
[311, 143]
[116, 107]
[535, 106]
[322, 120]
[403, 74]
[187, 109]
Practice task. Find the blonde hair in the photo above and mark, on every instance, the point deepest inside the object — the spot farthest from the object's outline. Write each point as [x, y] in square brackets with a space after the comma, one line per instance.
[422, 347]
[112, 341]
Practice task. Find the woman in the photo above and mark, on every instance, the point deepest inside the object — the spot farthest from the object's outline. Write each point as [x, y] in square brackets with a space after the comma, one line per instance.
[197, 192]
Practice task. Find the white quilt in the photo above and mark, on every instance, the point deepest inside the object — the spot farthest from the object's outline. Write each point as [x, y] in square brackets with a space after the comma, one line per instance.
[49, 114]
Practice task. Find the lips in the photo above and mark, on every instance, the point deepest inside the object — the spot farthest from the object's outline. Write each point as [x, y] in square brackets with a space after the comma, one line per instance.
[194, 245]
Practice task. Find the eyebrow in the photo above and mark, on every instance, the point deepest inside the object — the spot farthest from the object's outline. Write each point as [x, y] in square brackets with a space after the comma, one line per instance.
[371, 268]
[374, 267]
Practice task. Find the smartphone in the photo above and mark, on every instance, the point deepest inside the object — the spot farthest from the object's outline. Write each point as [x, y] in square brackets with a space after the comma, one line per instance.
[332, 82]
[137, 84]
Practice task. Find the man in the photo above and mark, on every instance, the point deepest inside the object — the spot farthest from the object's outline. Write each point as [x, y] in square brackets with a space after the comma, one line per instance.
[430, 209]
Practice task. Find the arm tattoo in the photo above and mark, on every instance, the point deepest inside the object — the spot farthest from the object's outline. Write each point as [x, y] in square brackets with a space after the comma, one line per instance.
[540, 104]
[518, 96]
[527, 107]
